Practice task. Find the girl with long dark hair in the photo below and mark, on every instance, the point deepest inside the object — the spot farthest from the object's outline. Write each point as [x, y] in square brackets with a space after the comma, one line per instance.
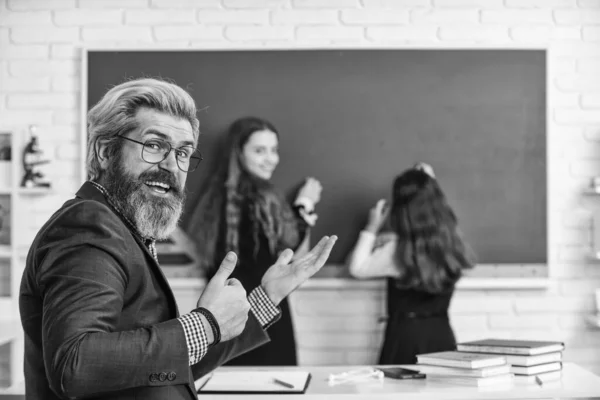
[241, 211]
[423, 256]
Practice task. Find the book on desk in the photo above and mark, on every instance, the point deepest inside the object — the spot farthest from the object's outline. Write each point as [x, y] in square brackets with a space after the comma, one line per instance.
[255, 382]
[472, 369]
[528, 359]
[509, 346]
[536, 369]
[461, 359]
[485, 372]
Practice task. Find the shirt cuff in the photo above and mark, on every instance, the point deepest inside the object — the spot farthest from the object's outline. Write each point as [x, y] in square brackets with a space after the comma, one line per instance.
[263, 308]
[195, 336]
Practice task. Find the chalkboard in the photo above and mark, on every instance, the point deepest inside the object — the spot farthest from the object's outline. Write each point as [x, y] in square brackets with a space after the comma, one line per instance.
[356, 118]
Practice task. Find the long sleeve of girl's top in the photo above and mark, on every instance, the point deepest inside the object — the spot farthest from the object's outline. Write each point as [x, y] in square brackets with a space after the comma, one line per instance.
[368, 262]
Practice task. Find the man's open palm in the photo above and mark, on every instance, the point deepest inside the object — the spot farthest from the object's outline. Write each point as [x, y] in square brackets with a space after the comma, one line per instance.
[283, 277]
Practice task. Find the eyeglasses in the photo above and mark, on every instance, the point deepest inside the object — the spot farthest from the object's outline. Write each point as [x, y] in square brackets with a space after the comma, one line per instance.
[155, 151]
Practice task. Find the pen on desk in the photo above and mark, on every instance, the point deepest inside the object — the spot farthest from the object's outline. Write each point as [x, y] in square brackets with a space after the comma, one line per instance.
[282, 383]
[538, 380]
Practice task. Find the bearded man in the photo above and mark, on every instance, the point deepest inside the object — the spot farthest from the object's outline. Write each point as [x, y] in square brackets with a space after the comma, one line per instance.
[99, 317]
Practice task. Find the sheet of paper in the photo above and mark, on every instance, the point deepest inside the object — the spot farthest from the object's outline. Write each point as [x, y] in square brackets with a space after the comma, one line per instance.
[255, 381]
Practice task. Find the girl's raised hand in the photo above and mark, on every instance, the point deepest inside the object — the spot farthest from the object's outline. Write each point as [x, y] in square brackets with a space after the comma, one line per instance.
[311, 190]
[377, 216]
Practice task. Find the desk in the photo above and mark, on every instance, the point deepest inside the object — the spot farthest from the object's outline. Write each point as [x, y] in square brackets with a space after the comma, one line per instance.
[576, 382]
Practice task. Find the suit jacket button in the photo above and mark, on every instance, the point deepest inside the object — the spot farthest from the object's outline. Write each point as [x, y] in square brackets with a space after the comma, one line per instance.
[153, 377]
[162, 376]
[172, 375]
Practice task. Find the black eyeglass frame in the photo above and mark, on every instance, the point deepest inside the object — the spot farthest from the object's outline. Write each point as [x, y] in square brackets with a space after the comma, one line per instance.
[200, 158]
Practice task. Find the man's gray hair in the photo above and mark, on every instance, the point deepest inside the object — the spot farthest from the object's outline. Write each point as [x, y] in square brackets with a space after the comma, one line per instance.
[115, 113]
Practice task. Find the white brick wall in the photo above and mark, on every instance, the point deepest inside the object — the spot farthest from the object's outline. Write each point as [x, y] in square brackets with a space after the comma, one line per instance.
[40, 43]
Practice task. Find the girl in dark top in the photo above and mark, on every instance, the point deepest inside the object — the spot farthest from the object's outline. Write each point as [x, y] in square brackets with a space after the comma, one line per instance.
[423, 258]
[241, 211]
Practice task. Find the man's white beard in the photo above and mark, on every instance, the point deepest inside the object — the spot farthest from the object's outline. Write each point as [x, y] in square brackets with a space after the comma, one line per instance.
[153, 216]
[155, 220]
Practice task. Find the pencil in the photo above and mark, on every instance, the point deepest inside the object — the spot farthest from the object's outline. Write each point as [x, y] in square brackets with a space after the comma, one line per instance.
[538, 380]
[282, 383]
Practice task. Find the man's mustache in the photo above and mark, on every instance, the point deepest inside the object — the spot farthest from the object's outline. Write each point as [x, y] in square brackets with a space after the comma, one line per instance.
[162, 176]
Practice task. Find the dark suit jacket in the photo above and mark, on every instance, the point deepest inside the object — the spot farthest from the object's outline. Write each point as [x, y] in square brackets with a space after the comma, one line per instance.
[99, 315]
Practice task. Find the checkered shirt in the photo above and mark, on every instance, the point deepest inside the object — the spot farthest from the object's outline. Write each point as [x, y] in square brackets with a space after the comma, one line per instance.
[261, 306]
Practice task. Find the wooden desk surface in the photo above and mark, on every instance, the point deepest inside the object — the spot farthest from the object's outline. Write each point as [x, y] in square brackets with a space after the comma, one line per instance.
[576, 382]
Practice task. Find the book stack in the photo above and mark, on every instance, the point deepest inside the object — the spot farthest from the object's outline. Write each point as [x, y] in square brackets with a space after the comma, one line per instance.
[455, 367]
[530, 361]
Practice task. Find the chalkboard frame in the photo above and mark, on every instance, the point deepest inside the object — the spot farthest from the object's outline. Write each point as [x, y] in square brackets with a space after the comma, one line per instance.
[528, 275]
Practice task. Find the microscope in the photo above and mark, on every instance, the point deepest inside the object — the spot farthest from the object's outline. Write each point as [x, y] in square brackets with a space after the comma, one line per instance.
[33, 157]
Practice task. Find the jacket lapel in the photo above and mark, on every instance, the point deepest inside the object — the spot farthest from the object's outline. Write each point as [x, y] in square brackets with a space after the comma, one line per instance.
[89, 192]
[159, 272]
